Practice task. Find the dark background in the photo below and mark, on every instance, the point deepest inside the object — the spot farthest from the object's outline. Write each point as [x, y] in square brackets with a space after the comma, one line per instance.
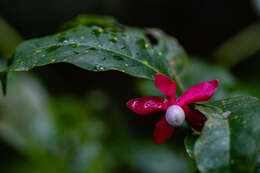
[200, 25]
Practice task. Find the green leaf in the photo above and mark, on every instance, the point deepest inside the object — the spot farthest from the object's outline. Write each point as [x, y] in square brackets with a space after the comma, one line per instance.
[229, 144]
[174, 53]
[197, 74]
[95, 49]
[189, 143]
[3, 74]
[90, 20]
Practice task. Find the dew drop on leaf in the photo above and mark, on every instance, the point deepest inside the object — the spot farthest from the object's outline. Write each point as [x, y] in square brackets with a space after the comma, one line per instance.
[113, 40]
[62, 39]
[97, 32]
[74, 45]
[37, 50]
[99, 68]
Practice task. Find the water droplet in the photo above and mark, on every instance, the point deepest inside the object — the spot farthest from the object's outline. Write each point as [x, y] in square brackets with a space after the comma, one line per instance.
[37, 50]
[82, 37]
[97, 32]
[100, 68]
[74, 45]
[86, 51]
[62, 38]
[160, 53]
[53, 60]
[126, 65]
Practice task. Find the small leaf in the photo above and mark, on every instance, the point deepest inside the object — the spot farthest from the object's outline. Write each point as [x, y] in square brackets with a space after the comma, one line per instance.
[3, 74]
[95, 49]
[229, 144]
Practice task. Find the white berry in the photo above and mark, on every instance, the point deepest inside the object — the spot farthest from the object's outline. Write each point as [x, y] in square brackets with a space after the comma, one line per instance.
[175, 115]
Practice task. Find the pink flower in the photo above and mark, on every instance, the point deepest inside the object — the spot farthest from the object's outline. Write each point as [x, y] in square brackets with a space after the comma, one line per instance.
[176, 109]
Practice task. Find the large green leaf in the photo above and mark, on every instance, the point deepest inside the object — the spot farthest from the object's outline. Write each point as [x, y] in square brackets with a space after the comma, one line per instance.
[95, 49]
[229, 144]
[175, 55]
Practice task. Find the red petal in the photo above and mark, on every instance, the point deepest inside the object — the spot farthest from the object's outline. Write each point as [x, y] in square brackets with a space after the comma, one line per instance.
[162, 131]
[194, 118]
[199, 93]
[166, 86]
[147, 105]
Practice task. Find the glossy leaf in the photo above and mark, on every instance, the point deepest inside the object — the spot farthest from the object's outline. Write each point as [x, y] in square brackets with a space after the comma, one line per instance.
[229, 144]
[175, 54]
[95, 49]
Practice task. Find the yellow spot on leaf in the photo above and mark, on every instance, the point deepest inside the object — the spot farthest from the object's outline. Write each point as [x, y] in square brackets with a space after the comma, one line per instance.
[100, 30]
[235, 117]
[145, 62]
